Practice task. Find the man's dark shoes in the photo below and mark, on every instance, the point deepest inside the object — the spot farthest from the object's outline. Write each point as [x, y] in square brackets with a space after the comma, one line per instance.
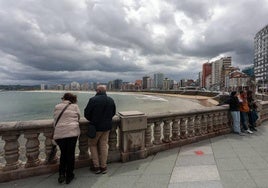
[61, 179]
[96, 170]
[103, 170]
[253, 129]
[69, 178]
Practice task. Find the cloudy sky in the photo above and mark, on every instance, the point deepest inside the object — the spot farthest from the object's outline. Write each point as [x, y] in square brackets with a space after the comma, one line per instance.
[59, 41]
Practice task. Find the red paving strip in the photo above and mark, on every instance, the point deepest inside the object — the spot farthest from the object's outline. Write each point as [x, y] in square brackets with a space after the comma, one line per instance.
[199, 152]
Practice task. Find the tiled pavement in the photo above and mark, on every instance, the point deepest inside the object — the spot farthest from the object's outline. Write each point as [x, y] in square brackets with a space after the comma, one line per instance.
[223, 162]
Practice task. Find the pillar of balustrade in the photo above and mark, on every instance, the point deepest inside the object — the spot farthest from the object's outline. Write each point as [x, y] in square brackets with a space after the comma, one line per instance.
[216, 122]
[157, 133]
[132, 135]
[166, 131]
[113, 138]
[204, 124]
[11, 152]
[183, 128]
[197, 127]
[210, 123]
[190, 127]
[226, 120]
[32, 149]
[221, 121]
[148, 135]
[48, 133]
[175, 129]
[83, 143]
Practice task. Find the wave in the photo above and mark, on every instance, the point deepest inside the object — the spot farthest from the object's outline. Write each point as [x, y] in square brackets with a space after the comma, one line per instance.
[151, 98]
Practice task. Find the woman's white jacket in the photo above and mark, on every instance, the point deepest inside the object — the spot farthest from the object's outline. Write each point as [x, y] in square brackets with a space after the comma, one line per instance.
[68, 124]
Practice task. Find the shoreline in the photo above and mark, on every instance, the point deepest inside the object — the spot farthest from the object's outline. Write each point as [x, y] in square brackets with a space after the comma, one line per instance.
[204, 100]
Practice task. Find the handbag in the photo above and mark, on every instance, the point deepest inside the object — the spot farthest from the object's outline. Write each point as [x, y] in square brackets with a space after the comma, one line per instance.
[91, 133]
[53, 150]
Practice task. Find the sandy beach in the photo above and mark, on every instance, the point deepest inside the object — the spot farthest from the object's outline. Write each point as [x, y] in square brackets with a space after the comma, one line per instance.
[204, 100]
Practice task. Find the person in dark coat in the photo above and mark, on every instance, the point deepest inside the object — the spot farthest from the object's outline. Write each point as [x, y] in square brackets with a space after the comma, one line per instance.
[235, 113]
[100, 111]
[252, 115]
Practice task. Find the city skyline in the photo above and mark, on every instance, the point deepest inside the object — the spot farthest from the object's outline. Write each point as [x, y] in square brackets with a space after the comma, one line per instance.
[60, 41]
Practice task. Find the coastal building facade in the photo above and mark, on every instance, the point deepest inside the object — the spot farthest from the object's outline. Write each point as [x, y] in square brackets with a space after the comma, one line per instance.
[261, 57]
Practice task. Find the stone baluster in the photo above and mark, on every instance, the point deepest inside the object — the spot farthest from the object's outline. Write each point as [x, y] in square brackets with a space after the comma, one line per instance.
[166, 131]
[157, 133]
[221, 121]
[48, 133]
[113, 138]
[225, 120]
[148, 135]
[183, 128]
[175, 129]
[210, 123]
[32, 149]
[11, 152]
[204, 124]
[197, 125]
[190, 127]
[83, 143]
[216, 122]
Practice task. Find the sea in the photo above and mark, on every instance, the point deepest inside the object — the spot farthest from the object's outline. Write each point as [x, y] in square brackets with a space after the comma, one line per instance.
[37, 105]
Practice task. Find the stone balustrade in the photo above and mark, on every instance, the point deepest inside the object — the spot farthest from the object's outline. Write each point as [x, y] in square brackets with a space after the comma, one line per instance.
[25, 146]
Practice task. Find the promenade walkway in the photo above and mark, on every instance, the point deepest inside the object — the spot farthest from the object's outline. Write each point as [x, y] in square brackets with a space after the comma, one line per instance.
[229, 161]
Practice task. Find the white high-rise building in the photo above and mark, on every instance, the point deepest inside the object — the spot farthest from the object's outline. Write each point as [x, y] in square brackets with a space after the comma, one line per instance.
[217, 72]
[261, 56]
[75, 86]
[158, 80]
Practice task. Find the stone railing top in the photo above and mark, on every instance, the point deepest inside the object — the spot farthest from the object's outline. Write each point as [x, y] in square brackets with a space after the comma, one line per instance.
[187, 113]
[35, 124]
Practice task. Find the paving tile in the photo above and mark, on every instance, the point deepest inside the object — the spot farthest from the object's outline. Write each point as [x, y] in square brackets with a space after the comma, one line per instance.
[229, 164]
[194, 173]
[236, 179]
[254, 162]
[160, 168]
[260, 177]
[240, 144]
[153, 180]
[222, 153]
[190, 150]
[150, 184]
[193, 160]
[224, 144]
[197, 184]
[30, 182]
[201, 143]
[246, 152]
[130, 170]
[120, 182]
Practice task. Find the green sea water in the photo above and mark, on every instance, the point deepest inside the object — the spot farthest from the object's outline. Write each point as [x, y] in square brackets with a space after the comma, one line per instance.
[33, 105]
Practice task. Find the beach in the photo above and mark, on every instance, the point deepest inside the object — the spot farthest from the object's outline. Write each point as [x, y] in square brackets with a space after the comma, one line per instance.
[203, 100]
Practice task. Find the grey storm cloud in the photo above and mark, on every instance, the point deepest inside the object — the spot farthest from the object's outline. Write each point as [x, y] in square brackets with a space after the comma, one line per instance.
[101, 40]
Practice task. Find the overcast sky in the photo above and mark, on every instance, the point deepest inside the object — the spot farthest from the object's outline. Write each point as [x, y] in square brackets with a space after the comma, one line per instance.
[59, 41]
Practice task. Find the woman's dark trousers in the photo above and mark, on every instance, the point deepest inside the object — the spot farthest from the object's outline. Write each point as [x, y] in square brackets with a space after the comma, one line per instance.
[67, 156]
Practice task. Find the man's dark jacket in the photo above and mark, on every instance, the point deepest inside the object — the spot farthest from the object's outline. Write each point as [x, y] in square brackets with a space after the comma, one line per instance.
[234, 103]
[100, 111]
